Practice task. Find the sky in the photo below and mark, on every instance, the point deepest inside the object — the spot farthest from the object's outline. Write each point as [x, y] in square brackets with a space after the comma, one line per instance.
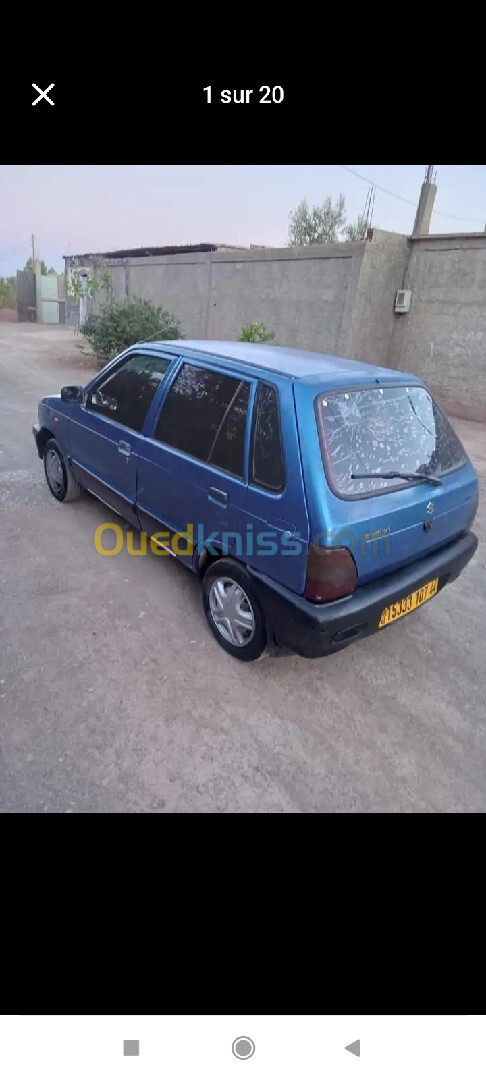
[75, 209]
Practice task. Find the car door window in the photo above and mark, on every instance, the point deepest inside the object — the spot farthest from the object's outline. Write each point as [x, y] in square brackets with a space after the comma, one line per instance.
[267, 466]
[126, 395]
[205, 416]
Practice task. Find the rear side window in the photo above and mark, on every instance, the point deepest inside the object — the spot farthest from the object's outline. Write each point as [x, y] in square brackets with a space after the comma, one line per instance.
[205, 416]
[267, 467]
[228, 448]
[394, 429]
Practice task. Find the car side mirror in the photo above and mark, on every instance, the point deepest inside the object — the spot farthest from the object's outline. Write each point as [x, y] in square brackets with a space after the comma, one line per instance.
[72, 393]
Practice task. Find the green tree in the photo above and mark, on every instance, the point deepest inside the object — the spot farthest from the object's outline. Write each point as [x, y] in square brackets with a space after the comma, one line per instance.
[30, 266]
[256, 332]
[320, 224]
[324, 223]
[8, 292]
[358, 231]
[117, 326]
[89, 283]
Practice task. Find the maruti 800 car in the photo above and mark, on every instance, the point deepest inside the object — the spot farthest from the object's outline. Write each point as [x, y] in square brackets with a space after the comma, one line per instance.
[321, 499]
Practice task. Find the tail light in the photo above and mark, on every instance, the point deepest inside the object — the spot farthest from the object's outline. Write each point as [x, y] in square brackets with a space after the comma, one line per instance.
[331, 574]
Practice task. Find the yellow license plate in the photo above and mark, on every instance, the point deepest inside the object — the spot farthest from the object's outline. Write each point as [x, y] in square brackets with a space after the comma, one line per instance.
[410, 603]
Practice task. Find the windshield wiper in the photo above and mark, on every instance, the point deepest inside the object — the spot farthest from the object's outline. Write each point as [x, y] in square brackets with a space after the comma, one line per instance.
[424, 478]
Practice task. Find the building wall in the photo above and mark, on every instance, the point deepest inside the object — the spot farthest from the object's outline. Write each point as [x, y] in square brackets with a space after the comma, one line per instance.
[373, 315]
[337, 298]
[443, 338]
[179, 283]
[305, 295]
[300, 294]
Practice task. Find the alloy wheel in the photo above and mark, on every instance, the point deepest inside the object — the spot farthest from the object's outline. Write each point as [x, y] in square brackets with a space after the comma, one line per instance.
[231, 611]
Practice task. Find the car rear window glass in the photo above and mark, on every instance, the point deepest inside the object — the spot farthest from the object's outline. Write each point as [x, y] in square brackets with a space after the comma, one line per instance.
[391, 429]
[205, 416]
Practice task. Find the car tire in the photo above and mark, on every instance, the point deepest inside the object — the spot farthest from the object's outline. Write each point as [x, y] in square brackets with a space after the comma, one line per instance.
[60, 479]
[233, 610]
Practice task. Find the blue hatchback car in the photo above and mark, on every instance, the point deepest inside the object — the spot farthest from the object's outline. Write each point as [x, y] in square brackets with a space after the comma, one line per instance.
[319, 499]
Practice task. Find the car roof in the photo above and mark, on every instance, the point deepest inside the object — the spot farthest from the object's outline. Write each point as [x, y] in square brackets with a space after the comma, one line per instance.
[291, 363]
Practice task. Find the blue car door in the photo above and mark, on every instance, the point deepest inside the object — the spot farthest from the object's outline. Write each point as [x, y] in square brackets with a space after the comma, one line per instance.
[192, 471]
[106, 431]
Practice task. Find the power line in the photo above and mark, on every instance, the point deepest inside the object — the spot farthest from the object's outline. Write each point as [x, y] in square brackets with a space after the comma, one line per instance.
[452, 217]
[14, 250]
[17, 247]
[379, 188]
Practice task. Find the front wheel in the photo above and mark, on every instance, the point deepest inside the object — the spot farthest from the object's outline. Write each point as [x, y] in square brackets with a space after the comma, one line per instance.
[233, 611]
[59, 476]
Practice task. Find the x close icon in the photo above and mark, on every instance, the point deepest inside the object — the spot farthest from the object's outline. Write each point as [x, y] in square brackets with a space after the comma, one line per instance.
[43, 93]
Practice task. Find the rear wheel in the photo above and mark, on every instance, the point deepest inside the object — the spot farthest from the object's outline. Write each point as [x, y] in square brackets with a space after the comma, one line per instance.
[233, 610]
[59, 476]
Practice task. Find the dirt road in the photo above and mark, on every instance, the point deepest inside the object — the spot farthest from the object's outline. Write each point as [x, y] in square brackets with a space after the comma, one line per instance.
[114, 696]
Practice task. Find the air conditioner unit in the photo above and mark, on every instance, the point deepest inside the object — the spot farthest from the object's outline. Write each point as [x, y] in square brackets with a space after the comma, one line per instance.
[403, 301]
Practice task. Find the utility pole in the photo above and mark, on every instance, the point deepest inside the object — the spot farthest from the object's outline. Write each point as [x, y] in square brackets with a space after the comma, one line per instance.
[33, 251]
[426, 202]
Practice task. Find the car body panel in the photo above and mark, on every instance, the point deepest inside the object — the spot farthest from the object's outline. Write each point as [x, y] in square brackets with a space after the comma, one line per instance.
[157, 487]
[105, 458]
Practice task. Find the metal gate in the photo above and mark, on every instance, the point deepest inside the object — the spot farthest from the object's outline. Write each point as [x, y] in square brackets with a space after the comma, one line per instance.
[52, 302]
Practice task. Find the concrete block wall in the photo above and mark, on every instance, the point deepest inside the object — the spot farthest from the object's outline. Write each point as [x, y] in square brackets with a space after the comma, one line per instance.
[178, 283]
[337, 298]
[306, 295]
[443, 338]
[373, 316]
[300, 294]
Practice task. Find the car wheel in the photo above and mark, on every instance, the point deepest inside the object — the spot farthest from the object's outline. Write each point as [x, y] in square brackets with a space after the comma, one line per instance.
[233, 610]
[60, 479]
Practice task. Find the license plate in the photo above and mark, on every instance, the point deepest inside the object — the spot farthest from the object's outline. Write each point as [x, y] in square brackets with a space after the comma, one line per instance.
[410, 603]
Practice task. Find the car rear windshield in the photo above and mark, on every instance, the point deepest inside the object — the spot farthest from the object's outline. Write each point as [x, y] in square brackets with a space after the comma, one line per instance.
[394, 429]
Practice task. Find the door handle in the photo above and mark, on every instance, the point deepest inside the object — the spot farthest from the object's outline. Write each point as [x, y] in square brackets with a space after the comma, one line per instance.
[218, 496]
[125, 449]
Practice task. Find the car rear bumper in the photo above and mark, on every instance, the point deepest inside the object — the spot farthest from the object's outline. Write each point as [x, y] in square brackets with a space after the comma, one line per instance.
[314, 630]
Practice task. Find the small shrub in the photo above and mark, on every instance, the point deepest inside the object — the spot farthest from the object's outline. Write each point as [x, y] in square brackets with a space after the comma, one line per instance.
[119, 325]
[256, 332]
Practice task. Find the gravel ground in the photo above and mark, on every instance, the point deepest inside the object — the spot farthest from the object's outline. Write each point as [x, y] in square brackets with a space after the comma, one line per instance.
[114, 697]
